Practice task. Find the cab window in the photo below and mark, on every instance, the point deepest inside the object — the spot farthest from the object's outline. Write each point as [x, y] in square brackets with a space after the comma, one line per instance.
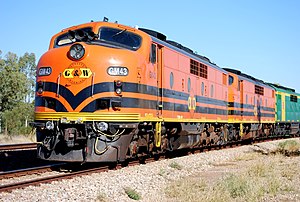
[66, 39]
[153, 54]
[120, 37]
[230, 80]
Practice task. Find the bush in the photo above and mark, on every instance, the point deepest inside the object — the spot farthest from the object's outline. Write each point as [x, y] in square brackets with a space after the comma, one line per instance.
[237, 186]
[289, 148]
[131, 193]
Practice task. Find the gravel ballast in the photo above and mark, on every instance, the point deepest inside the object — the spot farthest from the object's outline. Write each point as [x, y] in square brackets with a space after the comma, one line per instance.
[148, 180]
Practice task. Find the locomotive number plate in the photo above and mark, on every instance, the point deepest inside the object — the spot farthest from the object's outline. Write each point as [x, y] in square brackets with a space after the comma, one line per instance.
[117, 71]
[44, 71]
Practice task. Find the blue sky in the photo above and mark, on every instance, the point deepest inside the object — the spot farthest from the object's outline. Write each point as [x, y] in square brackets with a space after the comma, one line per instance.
[258, 37]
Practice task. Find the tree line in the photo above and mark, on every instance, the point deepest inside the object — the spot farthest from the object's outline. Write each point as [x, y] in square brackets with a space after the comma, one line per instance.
[17, 90]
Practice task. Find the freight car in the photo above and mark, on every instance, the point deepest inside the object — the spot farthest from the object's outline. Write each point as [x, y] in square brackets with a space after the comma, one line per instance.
[107, 92]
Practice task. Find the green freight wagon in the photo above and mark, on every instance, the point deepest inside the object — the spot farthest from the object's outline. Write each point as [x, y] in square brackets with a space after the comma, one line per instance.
[287, 110]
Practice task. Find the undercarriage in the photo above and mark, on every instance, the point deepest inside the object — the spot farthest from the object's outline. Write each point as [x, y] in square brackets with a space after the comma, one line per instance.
[115, 142]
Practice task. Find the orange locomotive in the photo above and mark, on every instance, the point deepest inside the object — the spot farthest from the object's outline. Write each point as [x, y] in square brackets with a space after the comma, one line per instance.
[107, 92]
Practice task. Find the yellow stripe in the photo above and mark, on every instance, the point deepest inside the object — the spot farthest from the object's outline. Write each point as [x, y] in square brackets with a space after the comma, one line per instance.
[84, 116]
[250, 121]
[283, 106]
[125, 117]
[183, 120]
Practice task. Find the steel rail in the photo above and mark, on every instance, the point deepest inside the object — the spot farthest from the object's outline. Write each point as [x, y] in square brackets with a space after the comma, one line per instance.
[8, 147]
[38, 181]
[29, 171]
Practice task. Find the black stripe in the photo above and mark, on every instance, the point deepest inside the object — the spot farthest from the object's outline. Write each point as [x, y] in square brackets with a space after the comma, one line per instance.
[207, 110]
[149, 104]
[248, 106]
[76, 100]
[175, 94]
[139, 103]
[207, 100]
[243, 113]
[41, 102]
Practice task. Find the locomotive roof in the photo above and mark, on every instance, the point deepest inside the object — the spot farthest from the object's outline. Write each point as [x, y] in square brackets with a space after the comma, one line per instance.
[161, 38]
[281, 88]
[157, 36]
[239, 73]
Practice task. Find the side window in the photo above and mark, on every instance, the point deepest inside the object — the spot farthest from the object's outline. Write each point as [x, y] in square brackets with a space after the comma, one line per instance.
[202, 88]
[153, 54]
[230, 80]
[189, 85]
[171, 80]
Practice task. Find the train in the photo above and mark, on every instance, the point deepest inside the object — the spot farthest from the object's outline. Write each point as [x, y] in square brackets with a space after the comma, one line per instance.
[107, 92]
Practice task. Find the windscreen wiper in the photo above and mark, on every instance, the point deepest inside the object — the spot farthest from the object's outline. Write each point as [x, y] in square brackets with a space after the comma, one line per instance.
[120, 32]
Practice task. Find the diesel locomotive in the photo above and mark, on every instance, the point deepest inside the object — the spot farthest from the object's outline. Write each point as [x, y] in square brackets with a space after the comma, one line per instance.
[106, 92]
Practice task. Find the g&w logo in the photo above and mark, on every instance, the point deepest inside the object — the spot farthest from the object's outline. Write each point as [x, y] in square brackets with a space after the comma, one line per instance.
[77, 72]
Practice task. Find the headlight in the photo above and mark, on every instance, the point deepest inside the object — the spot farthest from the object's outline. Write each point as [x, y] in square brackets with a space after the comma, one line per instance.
[77, 51]
[118, 87]
[119, 91]
[102, 126]
[40, 87]
[49, 125]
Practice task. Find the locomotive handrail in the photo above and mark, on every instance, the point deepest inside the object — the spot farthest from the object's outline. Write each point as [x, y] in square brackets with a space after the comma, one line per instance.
[93, 79]
[58, 82]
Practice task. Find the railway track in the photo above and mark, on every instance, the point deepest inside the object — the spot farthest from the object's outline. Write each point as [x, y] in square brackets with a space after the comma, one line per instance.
[29, 171]
[37, 181]
[88, 170]
[9, 147]
[62, 175]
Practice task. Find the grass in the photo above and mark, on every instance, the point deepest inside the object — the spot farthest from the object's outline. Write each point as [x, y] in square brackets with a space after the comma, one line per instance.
[101, 198]
[246, 156]
[290, 171]
[187, 189]
[162, 172]
[175, 165]
[260, 169]
[131, 193]
[236, 186]
[253, 183]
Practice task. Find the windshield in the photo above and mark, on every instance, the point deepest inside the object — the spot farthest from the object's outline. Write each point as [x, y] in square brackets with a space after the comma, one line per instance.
[71, 36]
[120, 37]
[107, 36]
